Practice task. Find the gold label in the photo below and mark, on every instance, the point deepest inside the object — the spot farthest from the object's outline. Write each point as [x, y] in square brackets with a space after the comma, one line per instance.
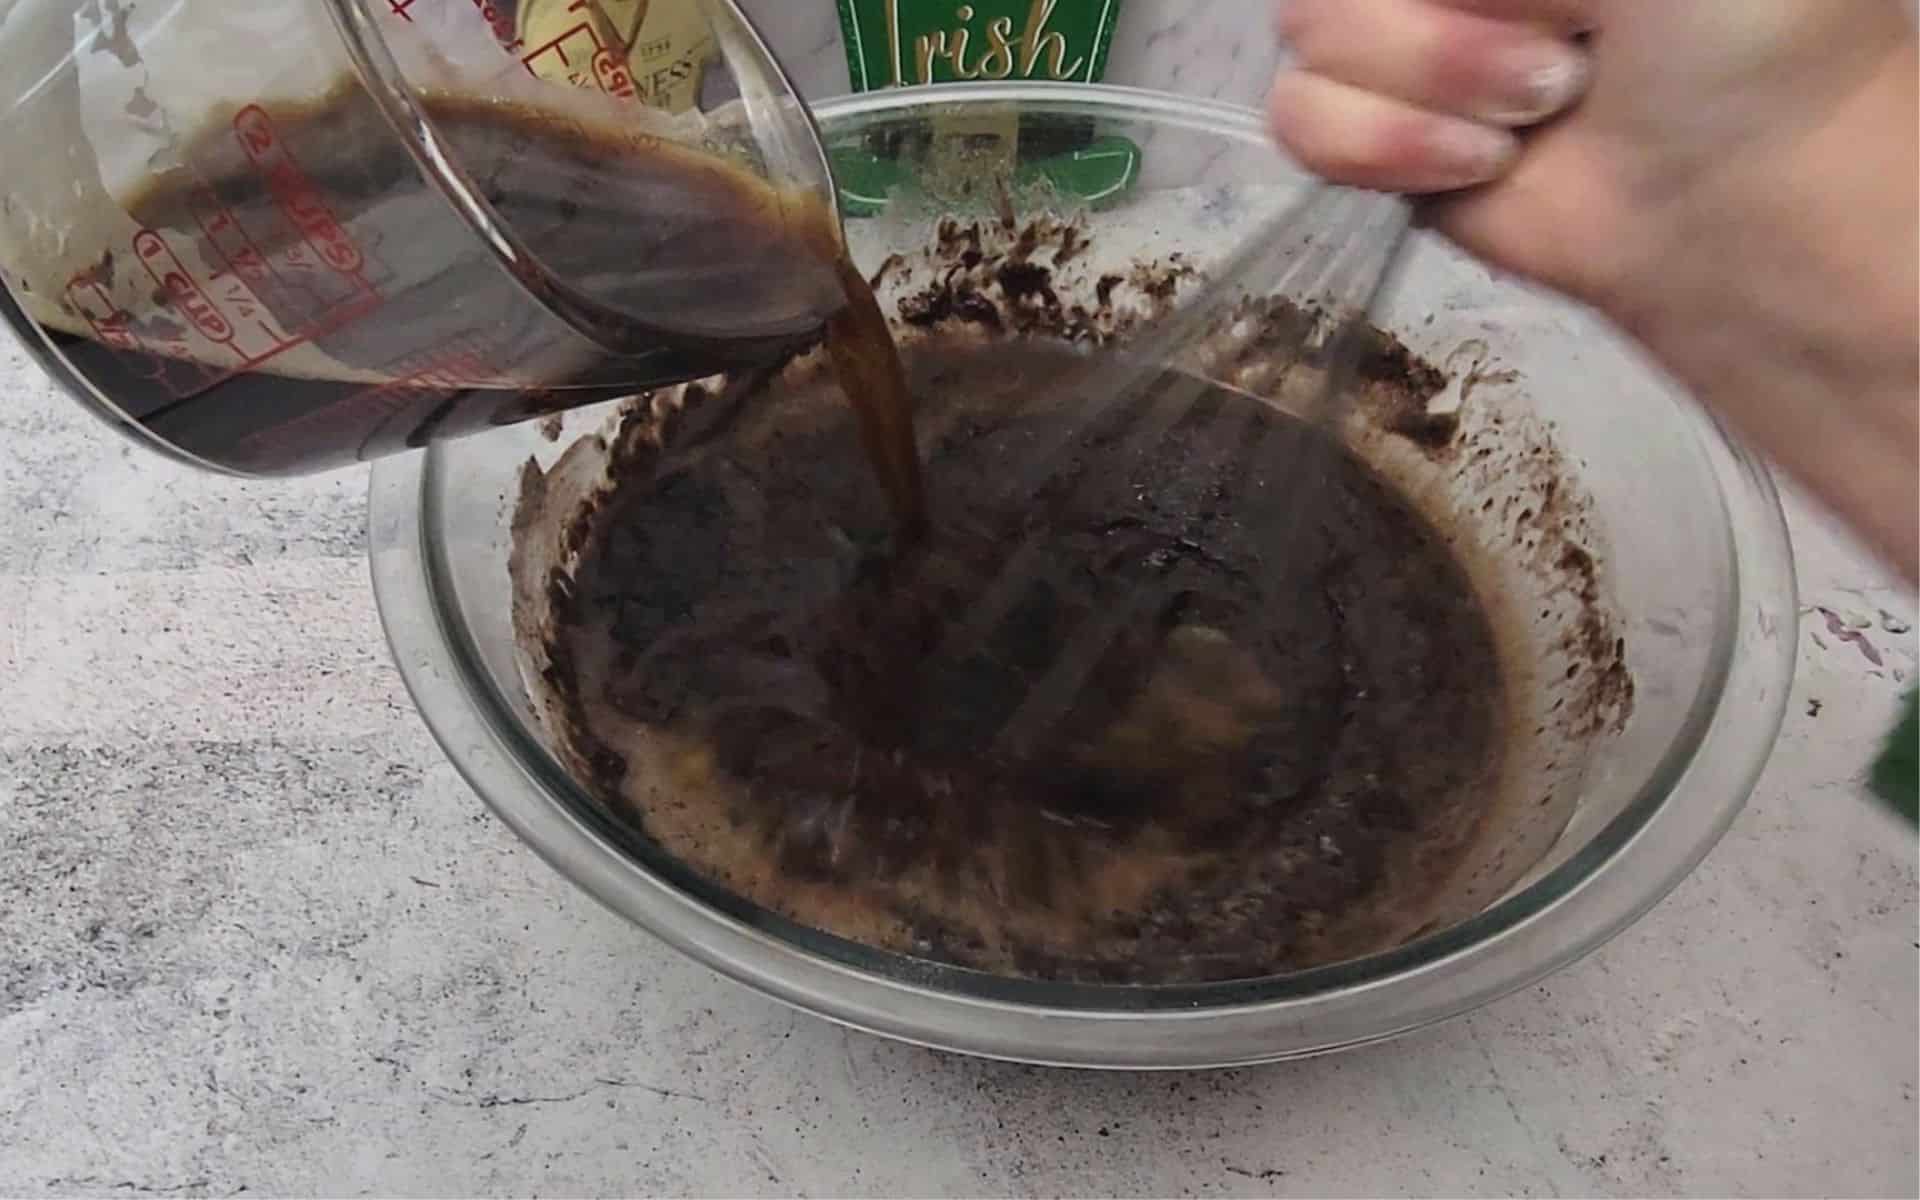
[976, 141]
[654, 51]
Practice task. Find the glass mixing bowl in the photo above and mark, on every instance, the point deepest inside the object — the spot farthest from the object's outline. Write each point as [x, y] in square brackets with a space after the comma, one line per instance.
[1695, 564]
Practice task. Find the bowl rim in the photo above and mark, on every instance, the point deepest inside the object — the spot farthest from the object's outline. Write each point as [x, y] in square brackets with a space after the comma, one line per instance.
[1623, 871]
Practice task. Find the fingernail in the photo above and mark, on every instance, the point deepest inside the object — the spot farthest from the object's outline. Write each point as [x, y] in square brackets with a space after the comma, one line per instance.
[1468, 153]
[1542, 86]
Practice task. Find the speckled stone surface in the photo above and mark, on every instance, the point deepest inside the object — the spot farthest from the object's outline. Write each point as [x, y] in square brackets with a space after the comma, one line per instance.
[257, 936]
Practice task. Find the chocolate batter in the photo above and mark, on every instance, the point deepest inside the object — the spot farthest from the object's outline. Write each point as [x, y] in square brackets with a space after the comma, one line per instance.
[1240, 714]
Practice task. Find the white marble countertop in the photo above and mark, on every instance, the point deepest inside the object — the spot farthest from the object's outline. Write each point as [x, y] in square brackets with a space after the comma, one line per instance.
[256, 935]
[259, 936]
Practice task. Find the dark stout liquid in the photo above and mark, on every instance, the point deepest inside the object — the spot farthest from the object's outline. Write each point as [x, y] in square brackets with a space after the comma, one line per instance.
[303, 298]
[1276, 758]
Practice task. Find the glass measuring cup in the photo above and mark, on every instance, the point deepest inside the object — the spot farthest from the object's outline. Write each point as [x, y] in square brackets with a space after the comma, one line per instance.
[278, 237]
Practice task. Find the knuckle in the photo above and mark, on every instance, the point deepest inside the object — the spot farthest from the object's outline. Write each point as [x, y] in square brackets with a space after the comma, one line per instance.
[1334, 149]
[1409, 141]
[1288, 112]
[1453, 60]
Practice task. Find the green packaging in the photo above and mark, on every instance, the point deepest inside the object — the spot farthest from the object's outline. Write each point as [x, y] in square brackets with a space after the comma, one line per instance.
[1896, 776]
[899, 43]
[907, 43]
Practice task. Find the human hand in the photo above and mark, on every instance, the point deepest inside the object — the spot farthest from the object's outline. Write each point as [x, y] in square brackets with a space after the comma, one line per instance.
[1732, 181]
[1690, 99]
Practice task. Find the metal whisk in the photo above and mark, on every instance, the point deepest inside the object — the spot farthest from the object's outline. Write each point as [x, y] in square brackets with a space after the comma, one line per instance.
[1335, 273]
[1330, 253]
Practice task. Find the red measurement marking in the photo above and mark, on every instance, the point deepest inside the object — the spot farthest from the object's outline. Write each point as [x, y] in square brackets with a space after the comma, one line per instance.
[399, 9]
[296, 194]
[500, 21]
[247, 274]
[164, 363]
[165, 269]
[229, 240]
[436, 376]
[109, 320]
[340, 316]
